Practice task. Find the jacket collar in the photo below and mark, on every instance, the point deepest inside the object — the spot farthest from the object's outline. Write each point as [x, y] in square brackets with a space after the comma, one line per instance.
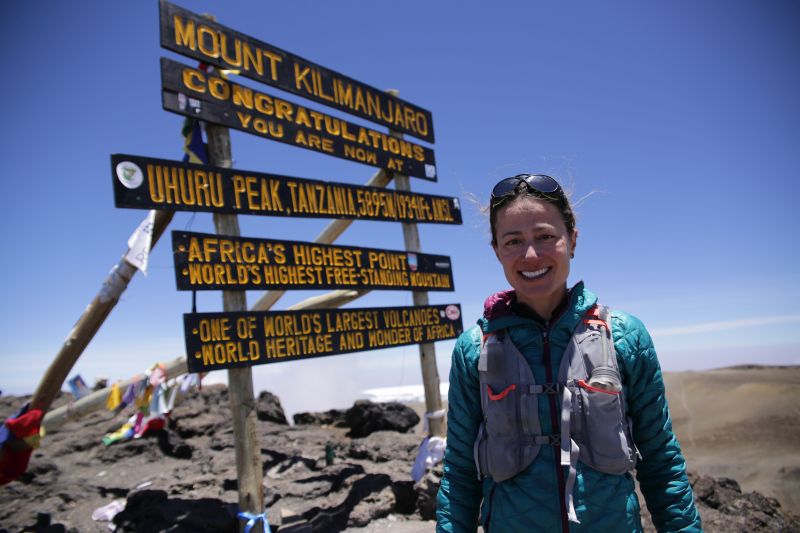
[498, 312]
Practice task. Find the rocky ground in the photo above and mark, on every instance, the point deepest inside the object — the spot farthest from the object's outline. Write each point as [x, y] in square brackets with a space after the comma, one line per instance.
[183, 479]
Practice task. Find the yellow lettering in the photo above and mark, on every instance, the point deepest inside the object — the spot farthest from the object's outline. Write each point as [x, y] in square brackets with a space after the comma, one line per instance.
[184, 35]
[202, 32]
[189, 78]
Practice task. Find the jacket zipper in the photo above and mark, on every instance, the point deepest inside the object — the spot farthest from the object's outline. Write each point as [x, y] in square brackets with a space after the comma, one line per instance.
[554, 423]
[489, 513]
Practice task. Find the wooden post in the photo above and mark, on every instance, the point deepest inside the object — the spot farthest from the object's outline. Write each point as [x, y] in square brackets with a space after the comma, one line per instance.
[90, 321]
[240, 380]
[427, 351]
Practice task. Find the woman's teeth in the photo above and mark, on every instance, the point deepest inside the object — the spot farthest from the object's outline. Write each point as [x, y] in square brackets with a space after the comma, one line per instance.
[535, 273]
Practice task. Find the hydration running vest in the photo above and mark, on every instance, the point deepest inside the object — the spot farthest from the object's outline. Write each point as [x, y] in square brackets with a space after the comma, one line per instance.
[594, 426]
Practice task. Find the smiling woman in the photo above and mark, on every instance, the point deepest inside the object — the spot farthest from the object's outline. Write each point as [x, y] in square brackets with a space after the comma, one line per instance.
[555, 401]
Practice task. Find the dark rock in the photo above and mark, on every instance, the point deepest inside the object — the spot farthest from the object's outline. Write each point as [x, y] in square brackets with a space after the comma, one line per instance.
[366, 417]
[41, 472]
[405, 497]
[368, 483]
[724, 508]
[268, 408]
[427, 488]
[383, 446]
[331, 417]
[152, 510]
[173, 445]
[368, 498]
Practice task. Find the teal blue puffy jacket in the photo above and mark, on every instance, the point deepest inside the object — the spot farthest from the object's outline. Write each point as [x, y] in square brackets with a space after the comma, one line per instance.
[532, 501]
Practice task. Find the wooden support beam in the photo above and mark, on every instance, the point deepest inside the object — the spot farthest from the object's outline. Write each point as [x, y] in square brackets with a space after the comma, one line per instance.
[249, 472]
[437, 425]
[97, 400]
[90, 321]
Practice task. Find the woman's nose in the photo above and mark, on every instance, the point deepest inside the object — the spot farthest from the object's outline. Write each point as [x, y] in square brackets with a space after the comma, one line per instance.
[530, 252]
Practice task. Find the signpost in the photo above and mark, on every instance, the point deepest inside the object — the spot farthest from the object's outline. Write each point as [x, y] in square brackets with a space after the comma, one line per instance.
[194, 93]
[197, 37]
[214, 262]
[151, 183]
[241, 340]
[236, 339]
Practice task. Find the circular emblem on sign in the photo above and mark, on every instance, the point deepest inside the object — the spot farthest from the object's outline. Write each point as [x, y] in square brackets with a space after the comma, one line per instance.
[452, 312]
[129, 174]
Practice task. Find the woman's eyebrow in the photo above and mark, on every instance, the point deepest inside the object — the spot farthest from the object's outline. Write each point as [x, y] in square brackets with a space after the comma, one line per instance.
[511, 232]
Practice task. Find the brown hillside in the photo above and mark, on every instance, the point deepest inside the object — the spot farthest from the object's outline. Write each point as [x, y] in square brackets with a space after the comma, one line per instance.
[743, 423]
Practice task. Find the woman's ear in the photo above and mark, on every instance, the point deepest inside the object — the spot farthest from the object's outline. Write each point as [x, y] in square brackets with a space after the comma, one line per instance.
[573, 243]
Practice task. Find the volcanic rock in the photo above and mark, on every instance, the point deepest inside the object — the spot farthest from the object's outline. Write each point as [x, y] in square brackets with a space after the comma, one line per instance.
[366, 417]
[318, 479]
[331, 417]
[268, 408]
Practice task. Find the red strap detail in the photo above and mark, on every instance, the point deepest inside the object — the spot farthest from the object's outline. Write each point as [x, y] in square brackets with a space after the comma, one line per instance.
[500, 396]
[586, 386]
[592, 316]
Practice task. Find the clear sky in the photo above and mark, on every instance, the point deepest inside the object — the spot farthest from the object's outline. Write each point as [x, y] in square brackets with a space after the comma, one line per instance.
[676, 121]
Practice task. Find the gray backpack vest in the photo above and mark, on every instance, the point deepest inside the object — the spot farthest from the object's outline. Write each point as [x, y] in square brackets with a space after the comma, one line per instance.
[594, 427]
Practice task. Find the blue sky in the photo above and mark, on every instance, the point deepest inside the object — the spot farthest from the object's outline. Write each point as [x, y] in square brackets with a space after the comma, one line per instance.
[675, 123]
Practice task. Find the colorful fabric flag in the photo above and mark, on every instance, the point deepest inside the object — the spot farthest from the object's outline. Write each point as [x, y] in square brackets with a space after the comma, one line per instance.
[140, 242]
[122, 434]
[196, 150]
[130, 394]
[78, 387]
[114, 397]
[19, 435]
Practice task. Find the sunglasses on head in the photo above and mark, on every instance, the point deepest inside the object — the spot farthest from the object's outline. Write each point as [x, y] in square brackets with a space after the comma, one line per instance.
[537, 183]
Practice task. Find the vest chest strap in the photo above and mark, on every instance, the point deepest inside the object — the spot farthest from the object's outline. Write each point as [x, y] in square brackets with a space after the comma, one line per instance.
[545, 388]
[546, 440]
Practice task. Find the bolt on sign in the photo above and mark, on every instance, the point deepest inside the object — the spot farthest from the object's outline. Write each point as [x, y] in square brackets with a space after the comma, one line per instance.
[150, 183]
[197, 37]
[215, 341]
[218, 262]
[192, 92]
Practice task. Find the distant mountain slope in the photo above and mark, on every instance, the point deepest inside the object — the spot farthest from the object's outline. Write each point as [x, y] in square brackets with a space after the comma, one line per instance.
[744, 423]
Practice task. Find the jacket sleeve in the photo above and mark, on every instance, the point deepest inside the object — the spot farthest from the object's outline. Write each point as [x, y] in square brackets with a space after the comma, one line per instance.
[661, 471]
[459, 495]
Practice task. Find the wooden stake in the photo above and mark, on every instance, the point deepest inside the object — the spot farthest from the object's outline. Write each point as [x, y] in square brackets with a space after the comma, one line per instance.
[97, 400]
[89, 323]
[427, 351]
[249, 470]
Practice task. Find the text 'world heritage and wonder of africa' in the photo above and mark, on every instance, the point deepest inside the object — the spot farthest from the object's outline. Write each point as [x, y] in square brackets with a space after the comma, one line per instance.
[235, 339]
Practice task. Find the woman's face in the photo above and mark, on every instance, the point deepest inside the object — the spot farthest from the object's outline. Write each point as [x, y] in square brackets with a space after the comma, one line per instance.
[534, 247]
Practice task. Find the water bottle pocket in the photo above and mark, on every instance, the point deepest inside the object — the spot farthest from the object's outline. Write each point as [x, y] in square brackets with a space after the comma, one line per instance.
[585, 386]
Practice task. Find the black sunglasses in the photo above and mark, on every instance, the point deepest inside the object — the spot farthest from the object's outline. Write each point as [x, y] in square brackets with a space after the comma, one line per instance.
[538, 183]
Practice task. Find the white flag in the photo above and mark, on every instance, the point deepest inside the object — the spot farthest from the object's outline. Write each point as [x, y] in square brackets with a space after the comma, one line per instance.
[139, 243]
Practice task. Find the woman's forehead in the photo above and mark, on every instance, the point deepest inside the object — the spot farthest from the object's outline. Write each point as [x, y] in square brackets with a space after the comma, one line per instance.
[531, 208]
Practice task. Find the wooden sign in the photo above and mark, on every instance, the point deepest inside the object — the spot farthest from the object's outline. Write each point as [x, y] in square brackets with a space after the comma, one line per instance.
[150, 183]
[192, 92]
[218, 262]
[237, 339]
[197, 37]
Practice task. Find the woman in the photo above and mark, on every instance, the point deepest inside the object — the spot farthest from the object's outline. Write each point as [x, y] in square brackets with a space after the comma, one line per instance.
[554, 400]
